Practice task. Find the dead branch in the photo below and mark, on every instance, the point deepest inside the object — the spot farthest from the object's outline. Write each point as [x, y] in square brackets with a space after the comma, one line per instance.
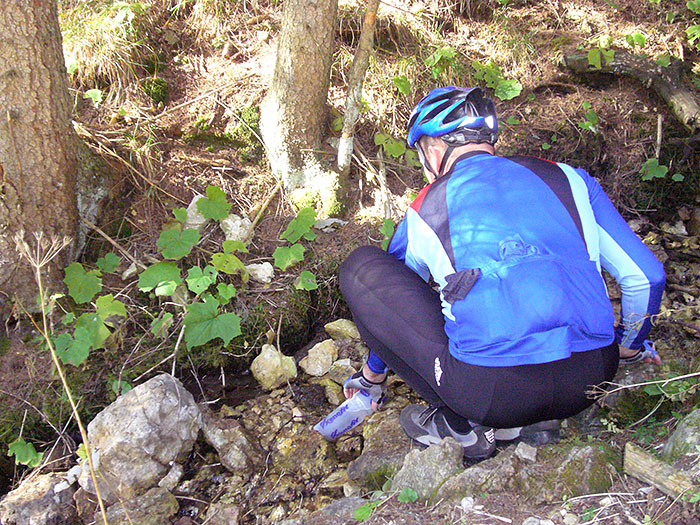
[667, 82]
[357, 75]
[661, 475]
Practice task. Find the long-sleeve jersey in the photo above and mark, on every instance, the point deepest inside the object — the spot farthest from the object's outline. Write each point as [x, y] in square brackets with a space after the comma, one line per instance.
[516, 246]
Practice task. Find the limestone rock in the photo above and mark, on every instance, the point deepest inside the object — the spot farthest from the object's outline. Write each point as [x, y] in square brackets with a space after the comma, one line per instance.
[340, 511]
[566, 470]
[301, 451]
[222, 514]
[272, 368]
[386, 444]
[36, 502]
[685, 438]
[138, 437]
[320, 358]
[424, 471]
[489, 476]
[342, 329]
[155, 507]
[236, 228]
[195, 219]
[334, 392]
[262, 272]
[236, 450]
[173, 477]
[341, 370]
[526, 452]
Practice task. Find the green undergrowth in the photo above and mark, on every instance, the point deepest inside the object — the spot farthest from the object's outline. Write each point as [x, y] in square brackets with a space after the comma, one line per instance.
[241, 135]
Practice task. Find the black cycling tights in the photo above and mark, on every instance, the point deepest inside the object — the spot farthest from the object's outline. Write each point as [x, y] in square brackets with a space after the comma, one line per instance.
[400, 319]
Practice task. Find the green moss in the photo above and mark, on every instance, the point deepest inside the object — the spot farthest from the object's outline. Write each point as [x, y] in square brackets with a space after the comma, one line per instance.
[4, 346]
[376, 479]
[244, 135]
[157, 89]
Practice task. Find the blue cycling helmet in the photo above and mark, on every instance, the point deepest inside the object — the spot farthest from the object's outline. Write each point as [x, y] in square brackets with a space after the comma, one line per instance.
[456, 115]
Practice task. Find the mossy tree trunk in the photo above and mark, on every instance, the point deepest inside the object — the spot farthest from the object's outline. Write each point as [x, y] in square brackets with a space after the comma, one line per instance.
[293, 116]
[38, 145]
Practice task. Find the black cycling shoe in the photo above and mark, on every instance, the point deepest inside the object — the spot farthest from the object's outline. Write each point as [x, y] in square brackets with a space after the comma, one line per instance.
[427, 426]
[542, 433]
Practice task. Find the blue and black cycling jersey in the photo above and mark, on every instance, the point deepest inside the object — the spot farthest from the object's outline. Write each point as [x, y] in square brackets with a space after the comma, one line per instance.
[516, 246]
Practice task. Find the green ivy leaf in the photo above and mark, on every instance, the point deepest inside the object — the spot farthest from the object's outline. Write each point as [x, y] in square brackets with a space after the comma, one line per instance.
[387, 229]
[161, 325]
[508, 89]
[82, 285]
[108, 262]
[301, 225]
[199, 280]
[120, 387]
[230, 264]
[546, 146]
[214, 205]
[364, 512]
[337, 123]
[107, 306]
[407, 495]
[394, 148]
[175, 244]
[411, 158]
[608, 55]
[288, 256]
[636, 39]
[651, 169]
[694, 6]
[402, 84]
[594, 58]
[234, 246]
[204, 323]
[678, 177]
[163, 277]
[380, 138]
[180, 214]
[70, 350]
[24, 453]
[95, 95]
[81, 451]
[512, 121]
[306, 281]
[225, 292]
[663, 60]
[91, 328]
[67, 319]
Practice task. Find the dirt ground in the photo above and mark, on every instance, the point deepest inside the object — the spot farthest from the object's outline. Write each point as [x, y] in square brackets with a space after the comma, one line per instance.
[160, 156]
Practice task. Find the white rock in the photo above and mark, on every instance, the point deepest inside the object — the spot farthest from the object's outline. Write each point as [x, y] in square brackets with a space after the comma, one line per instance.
[272, 368]
[37, 501]
[329, 225]
[320, 358]
[342, 329]
[236, 228]
[195, 219]
[139, 436]
[526, 452]
[262, 272]
[467, 504]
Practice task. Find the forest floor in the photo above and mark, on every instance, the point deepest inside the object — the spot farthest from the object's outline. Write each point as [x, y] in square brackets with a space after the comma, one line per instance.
[181, 115]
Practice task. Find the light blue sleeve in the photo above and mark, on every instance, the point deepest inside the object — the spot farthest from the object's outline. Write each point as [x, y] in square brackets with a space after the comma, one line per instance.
[636, 269]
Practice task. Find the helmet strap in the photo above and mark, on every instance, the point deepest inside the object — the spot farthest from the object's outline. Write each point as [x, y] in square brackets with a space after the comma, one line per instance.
[446, 156]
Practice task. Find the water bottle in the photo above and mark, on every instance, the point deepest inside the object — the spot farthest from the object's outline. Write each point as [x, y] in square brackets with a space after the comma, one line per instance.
[346, 416]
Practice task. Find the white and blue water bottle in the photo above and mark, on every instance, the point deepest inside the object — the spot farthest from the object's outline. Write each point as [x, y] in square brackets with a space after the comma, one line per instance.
[346, 416]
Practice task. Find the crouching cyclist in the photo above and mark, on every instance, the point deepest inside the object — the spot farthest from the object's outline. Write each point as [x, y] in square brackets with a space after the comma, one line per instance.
[490, 302]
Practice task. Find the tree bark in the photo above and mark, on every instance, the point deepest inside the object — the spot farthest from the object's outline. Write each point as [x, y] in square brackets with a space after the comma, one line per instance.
[293, 115]
[667, 81]
[38, 146]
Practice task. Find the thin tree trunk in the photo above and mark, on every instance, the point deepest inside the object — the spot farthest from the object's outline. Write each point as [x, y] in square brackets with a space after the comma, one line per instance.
[38, 145]
[357, 76]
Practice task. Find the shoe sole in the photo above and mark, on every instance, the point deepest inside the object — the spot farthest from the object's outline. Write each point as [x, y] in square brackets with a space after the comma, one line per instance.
[424, 439]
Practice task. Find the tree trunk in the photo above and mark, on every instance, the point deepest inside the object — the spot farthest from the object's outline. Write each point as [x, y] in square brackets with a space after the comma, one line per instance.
[293, 115]
[38, 146]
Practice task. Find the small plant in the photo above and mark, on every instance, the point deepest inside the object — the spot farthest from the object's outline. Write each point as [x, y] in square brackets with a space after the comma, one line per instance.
[601, 55]
[379, 497]
[591, 121]
[387, 230]
[402, 84]
[492, 76]
[396, 149]
[157, 89]
[300, 227]
[636, 39]
[441, 61]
